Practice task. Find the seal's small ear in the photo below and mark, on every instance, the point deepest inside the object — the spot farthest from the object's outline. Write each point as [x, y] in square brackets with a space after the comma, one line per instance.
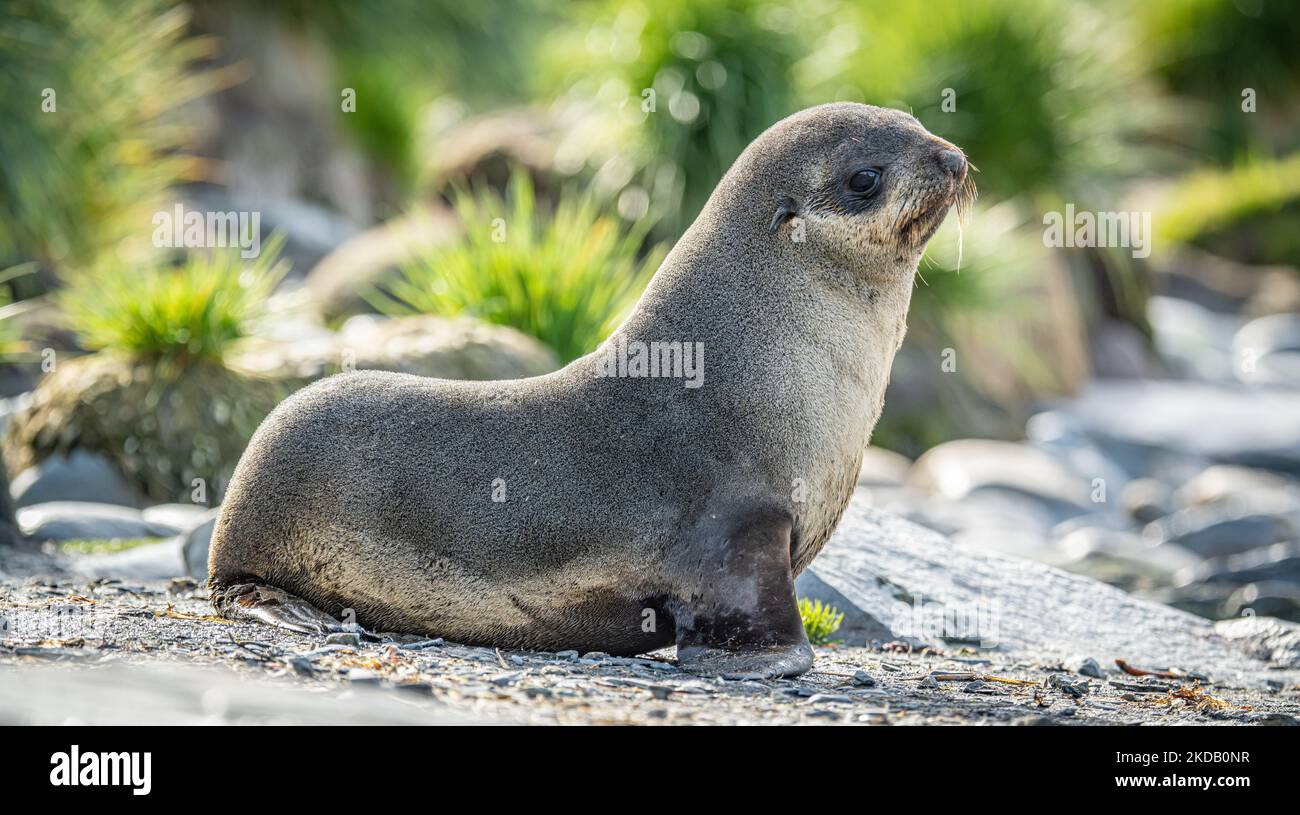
[786, 209]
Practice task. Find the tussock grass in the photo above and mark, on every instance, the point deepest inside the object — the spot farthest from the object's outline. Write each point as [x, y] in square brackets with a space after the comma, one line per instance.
[819, 621]
[566, 277]
[185, 313]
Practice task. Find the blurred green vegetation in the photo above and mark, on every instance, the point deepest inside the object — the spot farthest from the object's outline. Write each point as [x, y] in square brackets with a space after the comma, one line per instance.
[1045, 109]
[566, 277]
[12, 343]
[402, 55]
[690, 83]
[88, 135]
[1099, 103]
[1210, 51]
[1205, 203]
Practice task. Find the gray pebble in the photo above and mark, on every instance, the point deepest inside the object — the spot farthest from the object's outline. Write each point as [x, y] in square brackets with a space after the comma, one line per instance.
[657, 691]
[818, 698]
[1091, 668]
[327, 649]
[653, 664]
[929, 682]
[569, 655]
[863, 679]
[1067, 685]
[415, 688]
[343, 638]
[364, 676]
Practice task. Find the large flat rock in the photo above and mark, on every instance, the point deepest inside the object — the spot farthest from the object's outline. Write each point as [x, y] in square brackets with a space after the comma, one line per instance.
[920, 585]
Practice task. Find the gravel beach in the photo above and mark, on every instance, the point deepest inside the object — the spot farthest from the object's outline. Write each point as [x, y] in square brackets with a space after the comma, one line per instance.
[150, 652]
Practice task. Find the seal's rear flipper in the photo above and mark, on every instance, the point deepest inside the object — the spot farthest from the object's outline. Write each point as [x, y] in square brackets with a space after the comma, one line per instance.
[741, 620]
[267, 604]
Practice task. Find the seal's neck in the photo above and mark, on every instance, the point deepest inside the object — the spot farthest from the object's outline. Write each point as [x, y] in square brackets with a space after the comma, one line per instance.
[785, 330]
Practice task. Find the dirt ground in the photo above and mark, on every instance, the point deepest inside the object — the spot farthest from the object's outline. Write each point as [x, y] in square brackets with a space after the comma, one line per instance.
[114, 652]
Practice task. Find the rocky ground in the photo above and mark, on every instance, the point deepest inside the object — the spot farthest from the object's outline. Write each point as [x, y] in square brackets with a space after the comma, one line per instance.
[113, 651]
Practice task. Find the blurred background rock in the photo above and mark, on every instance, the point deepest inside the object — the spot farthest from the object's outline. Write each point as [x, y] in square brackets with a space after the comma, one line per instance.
[1132, 418]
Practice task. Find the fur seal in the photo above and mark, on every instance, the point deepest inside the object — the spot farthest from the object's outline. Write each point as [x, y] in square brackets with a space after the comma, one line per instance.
[596, 507]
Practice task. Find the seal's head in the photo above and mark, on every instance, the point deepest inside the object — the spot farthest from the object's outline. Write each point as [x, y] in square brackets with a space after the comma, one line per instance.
[864, 186]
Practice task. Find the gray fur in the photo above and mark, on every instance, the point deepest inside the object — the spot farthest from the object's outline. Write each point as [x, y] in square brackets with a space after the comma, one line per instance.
[373, 491]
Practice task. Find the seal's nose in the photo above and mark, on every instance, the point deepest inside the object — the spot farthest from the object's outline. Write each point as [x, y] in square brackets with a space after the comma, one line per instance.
[952, 161]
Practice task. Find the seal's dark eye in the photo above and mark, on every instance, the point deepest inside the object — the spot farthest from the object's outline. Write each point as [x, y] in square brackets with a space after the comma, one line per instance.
[865, 182]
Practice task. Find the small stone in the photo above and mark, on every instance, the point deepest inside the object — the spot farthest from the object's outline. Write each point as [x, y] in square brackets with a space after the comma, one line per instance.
[929, 682]
[538, 693]
[596, 656]
[568, 655]
[504, 680]
[326, 649]
[1090, 667]
[302, 666]
[364, 676]
[420, 645]
[977, 687]
[660, 692]
[1067, 685]
[344, 638]
[819, 698]
[825, 714]
[178, 585]
[1273, 718]
[415, 688]
[1066, 711]
[863, 679]
[1031, 721]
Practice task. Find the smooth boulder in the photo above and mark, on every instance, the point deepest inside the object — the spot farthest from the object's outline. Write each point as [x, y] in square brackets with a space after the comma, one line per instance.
[84, 520]
[929, 589]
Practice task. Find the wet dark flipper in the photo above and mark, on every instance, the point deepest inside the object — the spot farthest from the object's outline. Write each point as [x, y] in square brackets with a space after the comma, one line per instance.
[267, 604]
[741, 621]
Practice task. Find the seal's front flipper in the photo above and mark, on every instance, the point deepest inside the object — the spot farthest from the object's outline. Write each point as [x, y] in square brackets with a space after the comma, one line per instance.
[740, 620]
[267, 604]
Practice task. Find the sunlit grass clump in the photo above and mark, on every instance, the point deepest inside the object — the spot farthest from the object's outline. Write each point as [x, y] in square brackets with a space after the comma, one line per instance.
[155, 398]
[186, 313]
[566, 277]
[819, 621]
